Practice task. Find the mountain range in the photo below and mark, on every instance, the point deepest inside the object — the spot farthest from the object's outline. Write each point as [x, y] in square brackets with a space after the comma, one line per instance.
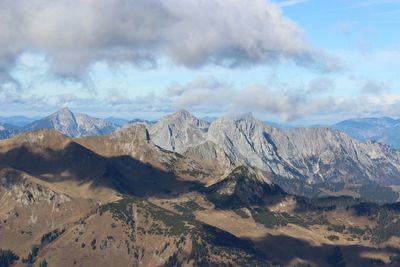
[301, 160]
[18, 121]
[384, 129]
[238, 193]
[117, 121]
[66, 122]
[7, 130]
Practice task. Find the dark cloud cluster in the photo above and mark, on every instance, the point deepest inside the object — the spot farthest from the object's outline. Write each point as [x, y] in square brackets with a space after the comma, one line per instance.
[75, 34]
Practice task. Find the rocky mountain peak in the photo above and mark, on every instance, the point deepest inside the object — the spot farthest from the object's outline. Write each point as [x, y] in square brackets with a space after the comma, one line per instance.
[182, 117]
[182, 113]
[73, 125]
[63, 116]
[63, 113]
[178, 131]
[64, 121]
[240, 119]
[65, 110]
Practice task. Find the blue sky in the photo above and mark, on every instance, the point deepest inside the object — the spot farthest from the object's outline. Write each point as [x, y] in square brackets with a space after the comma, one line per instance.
[305, 62]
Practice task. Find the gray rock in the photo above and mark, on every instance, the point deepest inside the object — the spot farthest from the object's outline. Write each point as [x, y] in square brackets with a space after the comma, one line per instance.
[72, 125]
[312, 155]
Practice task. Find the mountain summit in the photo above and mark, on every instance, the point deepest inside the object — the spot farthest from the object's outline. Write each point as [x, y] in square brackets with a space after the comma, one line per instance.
[178, 131]
[73, 125]
[316, 157]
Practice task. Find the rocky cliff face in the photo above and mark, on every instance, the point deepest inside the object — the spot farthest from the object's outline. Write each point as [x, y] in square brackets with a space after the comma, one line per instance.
[311, 155]
[178, 131]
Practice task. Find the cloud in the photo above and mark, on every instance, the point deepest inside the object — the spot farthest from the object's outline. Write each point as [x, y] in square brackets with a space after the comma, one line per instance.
[8, 82]
[287, 3]
[191, 33]
[209, 83]
[208, 94]
[375, 88]
[205, 94]
[367, 106]
[320, 85]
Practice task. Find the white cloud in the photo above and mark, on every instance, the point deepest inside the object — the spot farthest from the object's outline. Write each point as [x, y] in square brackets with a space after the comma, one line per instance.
[75, 34]
[375, 87]
[208, 94]
[320, 85]
[7, 81]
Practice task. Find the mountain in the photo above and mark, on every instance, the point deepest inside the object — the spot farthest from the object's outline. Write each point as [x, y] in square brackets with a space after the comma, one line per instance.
[117, 121]
[302, 161]
[73, 125]
[117, 162]
[7, 130]
[120, 199]
[385, 130]
[18, 120]
[243, 187]
[178, 131]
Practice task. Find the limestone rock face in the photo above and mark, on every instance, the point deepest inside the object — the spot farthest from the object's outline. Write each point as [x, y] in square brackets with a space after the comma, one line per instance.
[313, 155]
[178, 131]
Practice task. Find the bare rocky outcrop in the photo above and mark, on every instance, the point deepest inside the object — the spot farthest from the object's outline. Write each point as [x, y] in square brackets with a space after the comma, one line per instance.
[178, 131]
[312, 155]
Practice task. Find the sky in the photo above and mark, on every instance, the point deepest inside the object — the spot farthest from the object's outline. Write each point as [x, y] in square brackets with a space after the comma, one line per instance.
[290, 61]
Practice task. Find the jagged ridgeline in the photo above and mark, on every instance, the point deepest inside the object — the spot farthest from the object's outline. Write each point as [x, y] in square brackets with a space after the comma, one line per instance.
[185, 192]
[309, 162]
